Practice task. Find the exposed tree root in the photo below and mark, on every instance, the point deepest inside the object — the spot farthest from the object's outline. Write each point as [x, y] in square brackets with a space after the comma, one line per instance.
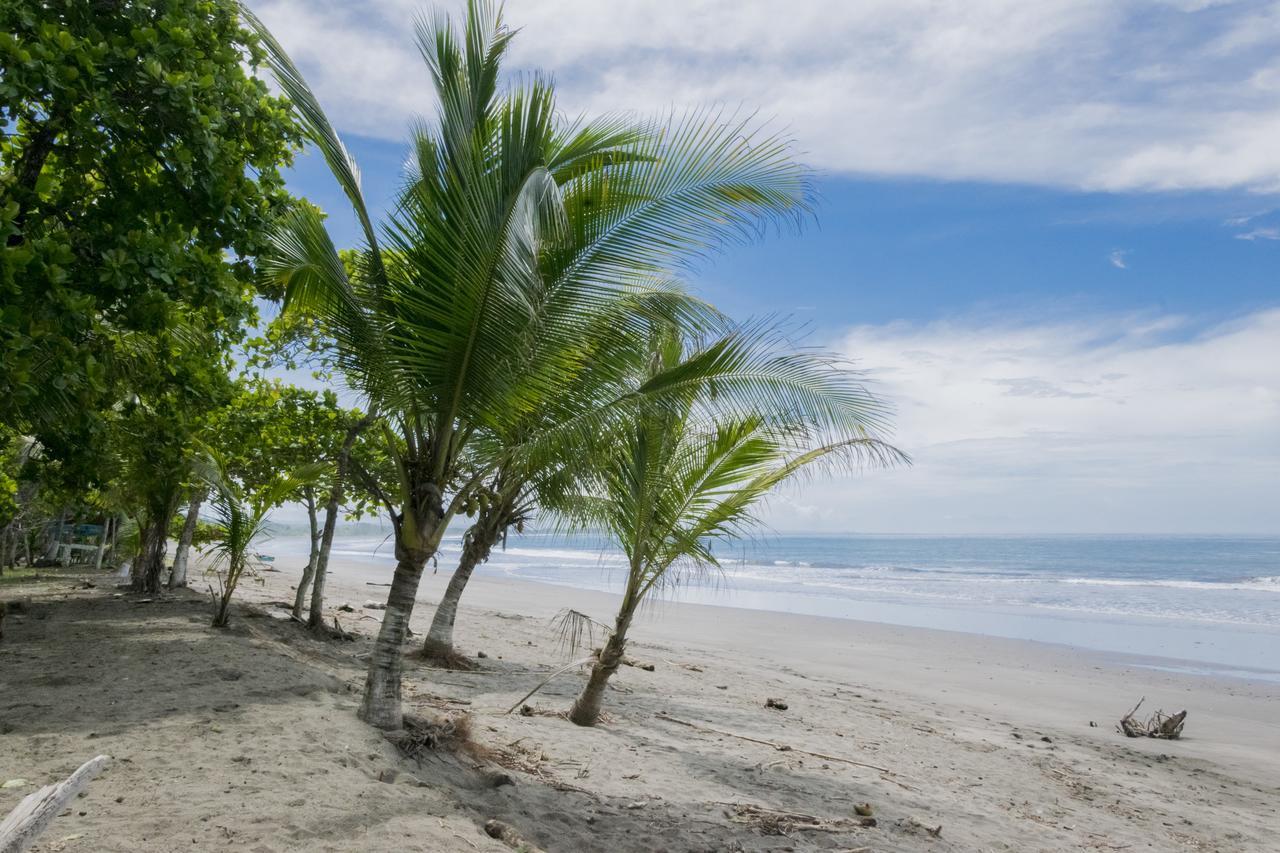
[446, 658]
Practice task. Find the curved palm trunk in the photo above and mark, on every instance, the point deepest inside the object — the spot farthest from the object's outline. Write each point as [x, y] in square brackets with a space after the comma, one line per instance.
[586, 708]
[313, 557]
[178, 577]
[439, 642]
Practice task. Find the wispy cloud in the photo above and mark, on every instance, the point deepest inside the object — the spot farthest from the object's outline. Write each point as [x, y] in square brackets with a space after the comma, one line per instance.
[1108, 424]
[1117, 259]
[1099, 94]
[1268, 233]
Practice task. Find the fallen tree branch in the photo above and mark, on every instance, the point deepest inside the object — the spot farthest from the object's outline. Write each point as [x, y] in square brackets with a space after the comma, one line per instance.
[33, 815]
[547, 681]
[781, 747]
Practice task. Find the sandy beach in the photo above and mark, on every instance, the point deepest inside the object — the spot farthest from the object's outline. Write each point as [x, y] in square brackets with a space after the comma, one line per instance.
[247, 738]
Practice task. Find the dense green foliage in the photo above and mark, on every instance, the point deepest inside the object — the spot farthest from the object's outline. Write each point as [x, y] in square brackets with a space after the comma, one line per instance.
[140, 169]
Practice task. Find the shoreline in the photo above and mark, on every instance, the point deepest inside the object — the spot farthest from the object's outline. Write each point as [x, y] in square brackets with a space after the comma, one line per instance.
[1123, 640]
[1062, 686]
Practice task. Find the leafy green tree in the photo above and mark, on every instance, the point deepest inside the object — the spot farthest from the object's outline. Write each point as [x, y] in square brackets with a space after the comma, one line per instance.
[517, 232]
[139, 171]
[270, 427]
[242, 517]
[673, 480]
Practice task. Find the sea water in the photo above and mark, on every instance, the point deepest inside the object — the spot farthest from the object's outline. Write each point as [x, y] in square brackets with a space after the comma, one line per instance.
[1183, 602]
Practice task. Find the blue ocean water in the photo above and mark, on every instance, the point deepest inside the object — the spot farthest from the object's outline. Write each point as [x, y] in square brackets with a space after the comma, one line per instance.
[1210, 603]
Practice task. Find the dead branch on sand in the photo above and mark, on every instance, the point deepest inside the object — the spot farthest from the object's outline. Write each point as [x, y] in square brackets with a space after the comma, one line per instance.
[547, 681]
[767, 821]
[36, 811]
[781, 747]
[1158, 725]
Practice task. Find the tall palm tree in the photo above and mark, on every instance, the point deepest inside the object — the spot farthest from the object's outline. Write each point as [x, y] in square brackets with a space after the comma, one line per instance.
[515, 233]
[673, 481]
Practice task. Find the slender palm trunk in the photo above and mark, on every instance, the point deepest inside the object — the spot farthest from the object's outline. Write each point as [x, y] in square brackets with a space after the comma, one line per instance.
[381, 705]
[178, 577]
[439, 642]
[586, 708]
[300, 597]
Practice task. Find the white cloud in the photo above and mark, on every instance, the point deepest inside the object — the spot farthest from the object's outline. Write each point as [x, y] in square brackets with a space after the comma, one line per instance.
[1117, 258]
[1105, 425]
[1099, 94]
[1267, 233]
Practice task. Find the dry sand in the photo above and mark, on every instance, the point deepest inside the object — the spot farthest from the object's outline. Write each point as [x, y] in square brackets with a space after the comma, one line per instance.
[246, 739]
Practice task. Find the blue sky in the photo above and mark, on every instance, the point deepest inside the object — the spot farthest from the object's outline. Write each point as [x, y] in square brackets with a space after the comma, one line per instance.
[1049, 232]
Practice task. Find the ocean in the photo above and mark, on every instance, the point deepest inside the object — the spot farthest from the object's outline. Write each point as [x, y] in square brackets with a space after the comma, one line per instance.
[1189, 603]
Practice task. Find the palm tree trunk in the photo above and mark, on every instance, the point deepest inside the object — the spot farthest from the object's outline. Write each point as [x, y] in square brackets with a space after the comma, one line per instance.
[586, 708]
[178, 577]
[381, 705]
[313, 557]
[439, 642]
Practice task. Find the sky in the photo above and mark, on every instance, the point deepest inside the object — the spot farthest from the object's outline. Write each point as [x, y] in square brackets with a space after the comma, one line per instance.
[1047, 232]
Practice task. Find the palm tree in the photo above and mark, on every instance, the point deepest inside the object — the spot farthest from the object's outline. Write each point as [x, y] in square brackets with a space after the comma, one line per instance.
[241, 517]
[516, 232]
[675, 480]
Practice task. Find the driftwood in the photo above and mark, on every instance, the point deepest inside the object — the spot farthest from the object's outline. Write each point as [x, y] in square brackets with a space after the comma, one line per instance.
[34, 814]
[781, 747]
[1158, 725]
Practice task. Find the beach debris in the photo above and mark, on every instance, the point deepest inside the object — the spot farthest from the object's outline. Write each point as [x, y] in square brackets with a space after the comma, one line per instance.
[420, 734]
[345, 607]
[507, 834]
[481, 655]
[776, 704]
[547, 681]
[1158, 725]
[769, 821]
[15, 783]
[781, 747]
[647, 667]
[910, 824]
[863, 809]
[33, 815]
[374, 605]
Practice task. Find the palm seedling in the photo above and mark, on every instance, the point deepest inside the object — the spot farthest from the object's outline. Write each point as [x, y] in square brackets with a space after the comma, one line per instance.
[674, 480]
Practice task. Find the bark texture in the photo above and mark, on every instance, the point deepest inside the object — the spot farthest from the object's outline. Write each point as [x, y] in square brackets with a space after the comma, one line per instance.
[586, 708]
[178, 577]
[149, 564]
[381, 704]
